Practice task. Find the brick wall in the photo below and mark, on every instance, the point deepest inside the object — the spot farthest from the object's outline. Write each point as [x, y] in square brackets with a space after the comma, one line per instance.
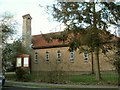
[65, 64]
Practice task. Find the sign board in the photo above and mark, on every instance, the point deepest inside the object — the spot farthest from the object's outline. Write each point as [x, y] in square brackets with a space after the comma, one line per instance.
[26, 62]
[19, 62]
[23, 61]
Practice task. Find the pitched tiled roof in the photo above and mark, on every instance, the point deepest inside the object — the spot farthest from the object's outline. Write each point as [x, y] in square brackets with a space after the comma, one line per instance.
[43, 41]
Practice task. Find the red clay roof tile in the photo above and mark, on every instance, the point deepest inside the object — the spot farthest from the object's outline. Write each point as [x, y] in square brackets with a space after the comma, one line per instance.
[40, 41]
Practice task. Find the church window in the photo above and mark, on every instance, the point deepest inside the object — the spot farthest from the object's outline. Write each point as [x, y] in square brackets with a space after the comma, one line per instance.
[36, 57]
[85, 55]
[47, 56]
[71, 56]
[58, 56]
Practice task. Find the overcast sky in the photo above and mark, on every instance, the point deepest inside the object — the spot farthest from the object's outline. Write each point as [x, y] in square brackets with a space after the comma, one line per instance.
[40, 19]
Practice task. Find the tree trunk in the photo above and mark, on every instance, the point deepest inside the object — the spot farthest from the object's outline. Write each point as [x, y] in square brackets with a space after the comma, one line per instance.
[92, 62]
[96, 64]
[96, 61]
[117, 62]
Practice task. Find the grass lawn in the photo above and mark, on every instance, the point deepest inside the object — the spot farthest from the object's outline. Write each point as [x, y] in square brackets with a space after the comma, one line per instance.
[85, 79]
[90, 79]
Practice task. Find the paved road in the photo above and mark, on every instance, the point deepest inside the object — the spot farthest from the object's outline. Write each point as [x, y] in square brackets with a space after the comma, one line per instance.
[29, 84]
[25, 88]
[34, 86]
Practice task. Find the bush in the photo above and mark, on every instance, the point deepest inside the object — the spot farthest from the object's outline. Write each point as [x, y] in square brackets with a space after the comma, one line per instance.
[23, 74]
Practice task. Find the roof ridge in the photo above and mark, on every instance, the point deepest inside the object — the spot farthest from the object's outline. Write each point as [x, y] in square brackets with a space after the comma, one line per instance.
[47, 33]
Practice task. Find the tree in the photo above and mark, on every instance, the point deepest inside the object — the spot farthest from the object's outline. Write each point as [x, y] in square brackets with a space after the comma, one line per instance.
[88, 18]
[8, 28]
[11, 51]
[8, 25]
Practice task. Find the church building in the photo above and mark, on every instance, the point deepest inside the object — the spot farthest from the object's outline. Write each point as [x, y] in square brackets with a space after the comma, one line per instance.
[55, 56]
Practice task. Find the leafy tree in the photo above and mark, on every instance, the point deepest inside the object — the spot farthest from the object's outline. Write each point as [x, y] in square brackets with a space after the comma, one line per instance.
[88, 22]
[8, 26]
[11, 51]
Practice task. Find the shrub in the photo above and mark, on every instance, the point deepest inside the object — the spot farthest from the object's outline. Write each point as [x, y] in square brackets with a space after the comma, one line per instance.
[23, 74]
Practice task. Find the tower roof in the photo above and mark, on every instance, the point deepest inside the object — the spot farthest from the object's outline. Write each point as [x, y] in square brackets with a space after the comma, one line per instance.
[27, 16]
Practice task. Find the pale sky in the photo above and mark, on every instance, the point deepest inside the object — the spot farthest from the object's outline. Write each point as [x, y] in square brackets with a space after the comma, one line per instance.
[40, 19]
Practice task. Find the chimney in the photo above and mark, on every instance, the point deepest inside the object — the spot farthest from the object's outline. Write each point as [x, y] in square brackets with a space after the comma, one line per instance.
[26, 32]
